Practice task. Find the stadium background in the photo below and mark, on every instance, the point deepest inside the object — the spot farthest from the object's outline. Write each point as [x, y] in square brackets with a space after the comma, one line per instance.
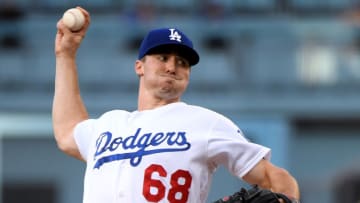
[286, 71]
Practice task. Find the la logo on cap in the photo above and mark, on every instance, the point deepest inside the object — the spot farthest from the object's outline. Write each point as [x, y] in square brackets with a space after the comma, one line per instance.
[174, 35]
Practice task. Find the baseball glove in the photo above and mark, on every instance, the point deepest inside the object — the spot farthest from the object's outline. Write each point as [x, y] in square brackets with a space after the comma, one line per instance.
[255, 195]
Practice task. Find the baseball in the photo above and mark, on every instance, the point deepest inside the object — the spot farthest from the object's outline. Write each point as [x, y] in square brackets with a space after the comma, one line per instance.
[74, 19]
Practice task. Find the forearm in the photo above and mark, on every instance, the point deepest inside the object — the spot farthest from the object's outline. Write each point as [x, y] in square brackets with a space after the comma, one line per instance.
[68, 107]
[282, 182]
[268, 176]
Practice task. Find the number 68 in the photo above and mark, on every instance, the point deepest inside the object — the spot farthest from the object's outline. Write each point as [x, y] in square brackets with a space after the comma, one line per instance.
[154, 190]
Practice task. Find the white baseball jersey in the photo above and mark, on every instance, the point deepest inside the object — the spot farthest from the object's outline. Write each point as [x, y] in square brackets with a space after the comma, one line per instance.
[167, 154]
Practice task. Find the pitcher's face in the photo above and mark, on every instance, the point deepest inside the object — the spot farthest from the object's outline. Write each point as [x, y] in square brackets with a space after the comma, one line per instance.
[165, 76]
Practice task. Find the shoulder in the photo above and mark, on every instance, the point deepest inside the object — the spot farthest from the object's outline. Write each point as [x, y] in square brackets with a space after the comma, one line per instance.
[199, 109]
[114, 113]
[106, 117]
[112, 116]
[207, 114]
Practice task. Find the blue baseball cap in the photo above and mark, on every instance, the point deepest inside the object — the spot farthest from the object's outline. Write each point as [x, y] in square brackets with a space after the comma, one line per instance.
[168, 39]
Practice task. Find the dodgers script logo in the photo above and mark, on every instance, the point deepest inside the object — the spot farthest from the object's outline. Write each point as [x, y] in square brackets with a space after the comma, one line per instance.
[138, 145]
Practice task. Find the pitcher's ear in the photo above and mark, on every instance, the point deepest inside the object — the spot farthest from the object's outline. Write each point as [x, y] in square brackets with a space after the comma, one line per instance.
[139, 70]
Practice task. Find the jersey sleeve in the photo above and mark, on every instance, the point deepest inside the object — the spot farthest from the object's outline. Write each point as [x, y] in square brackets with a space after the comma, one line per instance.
[82, 135]
[228, 146]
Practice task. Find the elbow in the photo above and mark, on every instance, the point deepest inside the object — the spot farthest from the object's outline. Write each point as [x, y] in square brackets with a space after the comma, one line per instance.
[70, 149]
[64, 137]
[62, 144]
[67, 145]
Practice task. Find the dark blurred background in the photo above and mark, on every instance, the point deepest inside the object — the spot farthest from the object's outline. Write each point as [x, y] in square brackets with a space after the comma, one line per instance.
[286, 71]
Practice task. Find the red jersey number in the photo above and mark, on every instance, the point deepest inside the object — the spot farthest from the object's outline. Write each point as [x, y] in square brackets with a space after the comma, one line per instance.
[154, 190]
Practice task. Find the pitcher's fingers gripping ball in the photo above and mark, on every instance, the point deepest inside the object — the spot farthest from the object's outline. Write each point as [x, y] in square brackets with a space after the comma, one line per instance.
[74, 19]
[256, 195]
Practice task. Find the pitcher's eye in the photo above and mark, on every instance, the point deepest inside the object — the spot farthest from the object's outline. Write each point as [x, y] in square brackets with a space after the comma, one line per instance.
[162, 57]
[182, 62]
